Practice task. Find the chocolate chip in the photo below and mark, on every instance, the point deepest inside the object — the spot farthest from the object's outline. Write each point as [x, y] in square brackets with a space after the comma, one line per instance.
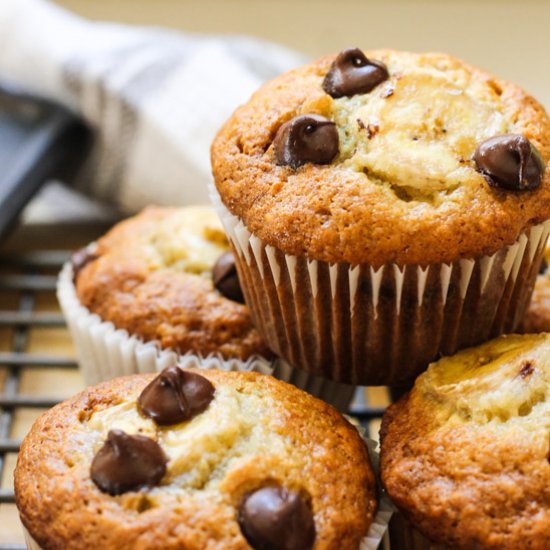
[274, 518]
[353, 73]
[127, 463]
[372, 130]
[527, 368]
[226, 278]
[80, 259]
[543, 266]
[175, 395]
[306, 138]
[510, 161]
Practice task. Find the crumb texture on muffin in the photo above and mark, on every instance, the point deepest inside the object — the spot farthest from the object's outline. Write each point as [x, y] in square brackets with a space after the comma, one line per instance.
[153, 278]
[404, 187]
[466, 454]
[257, 432]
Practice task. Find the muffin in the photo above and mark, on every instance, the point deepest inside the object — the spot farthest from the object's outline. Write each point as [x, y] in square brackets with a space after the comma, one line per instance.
[385, 208]
[177, 460]
[464, 455]
[537, 318]
[161, 288]
[152, 277]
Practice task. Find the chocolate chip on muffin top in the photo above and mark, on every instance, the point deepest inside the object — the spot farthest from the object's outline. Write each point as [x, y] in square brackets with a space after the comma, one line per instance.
[81, 258]
[226, 278]
[127, 463]
[510, 161]
[353, 73]
[271, 518]
[274, 518]
[251, 469]
[175, 395]
[306, 138]
[406, 185]
[167, 275]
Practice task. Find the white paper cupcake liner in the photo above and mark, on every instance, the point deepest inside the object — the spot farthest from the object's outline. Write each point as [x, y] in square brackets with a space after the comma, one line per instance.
[366, 326]
[29, 541]
[105, 352]
[378, 531]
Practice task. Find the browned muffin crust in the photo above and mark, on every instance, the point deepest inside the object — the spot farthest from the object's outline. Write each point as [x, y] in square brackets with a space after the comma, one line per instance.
[537, 318]
[466, 461]
[335, 213]
[146, 292]
[63, 509]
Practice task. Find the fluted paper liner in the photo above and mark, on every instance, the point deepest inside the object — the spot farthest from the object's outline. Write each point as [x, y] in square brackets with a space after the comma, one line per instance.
[378, 530]
[380, 326]
[105, 352]
[29, 541]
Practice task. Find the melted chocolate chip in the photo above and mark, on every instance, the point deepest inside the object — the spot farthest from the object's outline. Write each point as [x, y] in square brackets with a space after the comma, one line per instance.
[127, 463]
[527, 368]
[306, 138]
[175, 395]
[353, 73]
[80, 259]
[226, 278]
[274, 518]
[510, 161]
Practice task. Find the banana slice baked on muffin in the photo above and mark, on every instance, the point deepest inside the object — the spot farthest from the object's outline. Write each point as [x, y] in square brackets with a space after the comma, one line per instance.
[196, 460]
[385, 207]
[465, 455]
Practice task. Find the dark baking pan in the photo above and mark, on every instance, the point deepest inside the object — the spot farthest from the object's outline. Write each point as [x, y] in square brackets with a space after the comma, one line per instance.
[39, 140]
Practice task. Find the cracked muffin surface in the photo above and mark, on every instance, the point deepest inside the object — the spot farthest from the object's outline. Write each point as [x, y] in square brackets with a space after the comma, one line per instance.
[256, 432]
[403, 187]
[152, 276]
[465, 455]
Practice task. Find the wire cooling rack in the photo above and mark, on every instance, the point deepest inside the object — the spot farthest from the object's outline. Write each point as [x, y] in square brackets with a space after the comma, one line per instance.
[38, 369]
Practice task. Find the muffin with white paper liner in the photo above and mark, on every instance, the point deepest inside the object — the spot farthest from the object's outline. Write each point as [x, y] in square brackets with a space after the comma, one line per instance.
[161, 289]
[197, 459]
[384, 209]
[464, 455]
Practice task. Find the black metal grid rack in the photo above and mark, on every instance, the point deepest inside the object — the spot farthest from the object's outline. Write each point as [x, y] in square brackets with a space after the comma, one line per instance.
[23, 277]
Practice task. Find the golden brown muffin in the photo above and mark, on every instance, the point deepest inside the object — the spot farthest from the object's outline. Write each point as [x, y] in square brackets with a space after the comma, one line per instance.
[403, 187]
[465, 455]
[385, 209]
[256, 432]
[152, 276]
[537, 318]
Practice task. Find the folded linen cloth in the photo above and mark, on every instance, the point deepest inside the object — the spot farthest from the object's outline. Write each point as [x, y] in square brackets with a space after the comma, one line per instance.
[154, 97]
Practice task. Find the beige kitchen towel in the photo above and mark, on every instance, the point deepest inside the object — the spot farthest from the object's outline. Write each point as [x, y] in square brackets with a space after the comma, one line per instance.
[154, 97]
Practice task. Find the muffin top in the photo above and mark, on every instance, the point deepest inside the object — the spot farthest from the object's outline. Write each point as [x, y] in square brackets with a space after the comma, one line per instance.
[152, 275]
[465, 454]
[402, 184]
[247, 439]
[537, 317]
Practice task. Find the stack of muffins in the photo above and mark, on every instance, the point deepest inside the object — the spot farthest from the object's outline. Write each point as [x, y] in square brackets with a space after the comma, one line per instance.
[383, 209]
